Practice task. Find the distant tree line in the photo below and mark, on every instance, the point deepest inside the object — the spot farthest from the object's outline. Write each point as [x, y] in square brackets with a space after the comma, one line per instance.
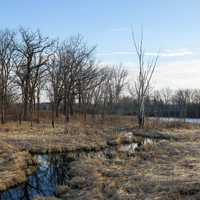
[180, 103]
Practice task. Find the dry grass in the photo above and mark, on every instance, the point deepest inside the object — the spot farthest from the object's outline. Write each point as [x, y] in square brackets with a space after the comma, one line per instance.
[168, 170]
[75, 135]
[43, 138]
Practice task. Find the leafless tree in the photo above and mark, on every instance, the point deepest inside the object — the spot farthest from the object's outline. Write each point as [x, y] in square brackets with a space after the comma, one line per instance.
[33, 54]
[144, 77]
[55, 84]
[182, 99]
[120, 80]
[7, 44]
[75, 57]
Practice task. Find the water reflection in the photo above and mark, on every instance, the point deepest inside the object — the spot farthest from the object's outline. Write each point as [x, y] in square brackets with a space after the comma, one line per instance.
[52, 171]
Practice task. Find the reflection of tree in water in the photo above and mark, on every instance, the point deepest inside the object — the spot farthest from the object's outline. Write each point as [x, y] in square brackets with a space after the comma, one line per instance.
[52, 172]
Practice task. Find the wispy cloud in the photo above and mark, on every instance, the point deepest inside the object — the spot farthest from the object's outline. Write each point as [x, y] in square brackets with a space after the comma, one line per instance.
[177, 52]
[165, 53]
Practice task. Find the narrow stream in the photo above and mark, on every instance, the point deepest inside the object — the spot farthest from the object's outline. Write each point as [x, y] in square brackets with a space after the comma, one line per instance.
[53, 171]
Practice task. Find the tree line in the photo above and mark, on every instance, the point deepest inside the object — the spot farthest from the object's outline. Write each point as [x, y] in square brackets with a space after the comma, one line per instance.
[74, 82]
[179, 103]
[66, 71]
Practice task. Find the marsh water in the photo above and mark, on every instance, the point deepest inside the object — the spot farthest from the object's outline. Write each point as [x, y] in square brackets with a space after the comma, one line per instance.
[53, 170]
[174, 119]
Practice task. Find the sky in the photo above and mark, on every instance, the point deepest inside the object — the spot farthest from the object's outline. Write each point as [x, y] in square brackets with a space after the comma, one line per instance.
[171, 27]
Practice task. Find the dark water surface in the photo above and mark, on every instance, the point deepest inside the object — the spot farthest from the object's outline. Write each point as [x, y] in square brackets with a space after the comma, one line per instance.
[52, 171]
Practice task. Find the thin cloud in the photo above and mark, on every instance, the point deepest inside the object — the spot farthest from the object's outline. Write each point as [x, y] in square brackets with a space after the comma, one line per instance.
[174, 54]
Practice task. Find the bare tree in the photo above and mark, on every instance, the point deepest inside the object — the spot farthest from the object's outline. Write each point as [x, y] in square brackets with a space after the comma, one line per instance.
[166, 95]
[7, 50]
[142, 83]
[182, 99]
[33, 54]
[55, 84]
[74, 56]
[119, 81]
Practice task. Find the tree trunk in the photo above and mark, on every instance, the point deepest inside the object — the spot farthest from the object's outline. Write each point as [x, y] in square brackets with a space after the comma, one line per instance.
[71, 107]
[52, 114]
[2, 110]
[57, 110]
[31, 111]
[38, 106]
[66, 108]
[2, 97]
[141, 114]
[26, 95]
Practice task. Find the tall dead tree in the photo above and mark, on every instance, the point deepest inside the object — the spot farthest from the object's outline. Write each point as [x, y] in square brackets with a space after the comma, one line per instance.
[142, 83]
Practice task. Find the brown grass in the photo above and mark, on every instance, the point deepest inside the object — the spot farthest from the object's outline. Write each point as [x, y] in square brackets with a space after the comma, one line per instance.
[166, 170]
[75, 135]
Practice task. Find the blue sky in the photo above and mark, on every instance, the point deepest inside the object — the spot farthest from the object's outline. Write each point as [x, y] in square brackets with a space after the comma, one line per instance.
[173, 26]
